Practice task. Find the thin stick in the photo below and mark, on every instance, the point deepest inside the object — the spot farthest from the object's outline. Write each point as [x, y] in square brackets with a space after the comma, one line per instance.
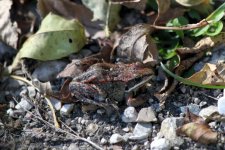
[48, 101]
[185, 27]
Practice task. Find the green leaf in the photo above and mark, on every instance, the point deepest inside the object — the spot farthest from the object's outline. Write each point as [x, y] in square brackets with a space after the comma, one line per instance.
[200, 31]
[215, 29]
[217, 14]
[56, 38]
[213, 18]
[186, 81]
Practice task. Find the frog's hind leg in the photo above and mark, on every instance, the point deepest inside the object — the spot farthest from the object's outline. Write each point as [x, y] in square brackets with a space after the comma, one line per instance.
[107, 106]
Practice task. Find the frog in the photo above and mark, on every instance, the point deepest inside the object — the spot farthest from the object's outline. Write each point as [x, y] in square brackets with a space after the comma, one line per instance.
[105, 84]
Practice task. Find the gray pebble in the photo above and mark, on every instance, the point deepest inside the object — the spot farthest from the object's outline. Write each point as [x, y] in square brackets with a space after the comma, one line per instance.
[103, 141]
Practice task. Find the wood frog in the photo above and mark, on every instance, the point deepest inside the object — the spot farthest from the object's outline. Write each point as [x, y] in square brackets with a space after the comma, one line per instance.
[103, 83]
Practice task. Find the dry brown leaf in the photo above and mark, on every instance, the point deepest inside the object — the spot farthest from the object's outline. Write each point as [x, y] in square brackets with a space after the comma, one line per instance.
[137, 45]
[69, 10]
[8, 29]
[197, 129]
[198, 132]
[210, 74]
[136, 4]
[163, 6]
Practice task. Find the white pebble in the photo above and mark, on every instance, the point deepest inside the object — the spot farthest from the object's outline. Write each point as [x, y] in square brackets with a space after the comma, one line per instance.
[103, 141]
[221, 105]
[116, 138]
[31, 91]
[56, 103]
[23, 105]
[160, 144]
[10, 112]
[129, 115]
[66, 109]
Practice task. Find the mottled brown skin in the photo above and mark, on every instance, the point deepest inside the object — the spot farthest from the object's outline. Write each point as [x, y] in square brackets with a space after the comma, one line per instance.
[103, 81]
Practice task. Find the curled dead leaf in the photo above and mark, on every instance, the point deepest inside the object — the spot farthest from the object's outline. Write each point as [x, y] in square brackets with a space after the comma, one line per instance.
[197, 129]
[210, 74]
[163, 6]
[198, 132]
[137, 45]
[8, 30]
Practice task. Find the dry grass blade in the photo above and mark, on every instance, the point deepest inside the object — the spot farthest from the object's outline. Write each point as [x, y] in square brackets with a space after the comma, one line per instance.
[48, 101]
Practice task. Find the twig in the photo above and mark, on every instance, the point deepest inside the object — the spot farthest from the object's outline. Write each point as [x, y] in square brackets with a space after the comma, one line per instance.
[107, 32]
[46, 98]
[200, 24]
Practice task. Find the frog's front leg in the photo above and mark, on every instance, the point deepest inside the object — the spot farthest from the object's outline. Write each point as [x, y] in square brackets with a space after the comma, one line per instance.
[86, 92]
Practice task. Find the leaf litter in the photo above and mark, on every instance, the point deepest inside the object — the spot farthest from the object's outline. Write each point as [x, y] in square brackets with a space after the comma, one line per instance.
[120, 71]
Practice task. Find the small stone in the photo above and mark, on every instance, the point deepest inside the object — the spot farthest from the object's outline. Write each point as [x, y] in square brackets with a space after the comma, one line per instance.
[23, 105]
[141, 131]
[10, 112]
[116, 138]
[85, 52]
[147, 144]
[126, 136]
[94, 48]
[208, 111]
[183, 89]
[88, 108]
[129, 115]
[197, 100]
[66, 109]
[23, 92]
[101, 111]
[91, 128]
[202, 103]
[127, 129]
[103, 141]
[160, 144]
[146, 115]
[31, 91]
[194, 108]
[168, 130]
[79, 120]
[56, 103]
[11, 104]
[73, 146]
[83, 121]
[135, 147]
[220, 105]
[48, 70]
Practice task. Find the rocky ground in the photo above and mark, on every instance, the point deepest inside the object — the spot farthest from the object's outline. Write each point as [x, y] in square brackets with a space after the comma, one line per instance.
[26, 121]
[148, 126]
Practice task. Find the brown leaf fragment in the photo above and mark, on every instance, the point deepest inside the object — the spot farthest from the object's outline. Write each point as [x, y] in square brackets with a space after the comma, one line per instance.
[197, 129]
[171, 13]
[8, 29]
[137, 45]
[163, 6]
[69, 10]
[210, 74]
[198, 132]
[136, 4]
